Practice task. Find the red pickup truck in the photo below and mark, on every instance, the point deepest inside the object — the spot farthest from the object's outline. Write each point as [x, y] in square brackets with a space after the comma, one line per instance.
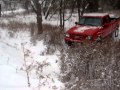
[92, 27]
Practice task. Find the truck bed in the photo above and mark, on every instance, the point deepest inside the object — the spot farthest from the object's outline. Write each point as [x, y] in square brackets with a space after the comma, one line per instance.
[114, 18]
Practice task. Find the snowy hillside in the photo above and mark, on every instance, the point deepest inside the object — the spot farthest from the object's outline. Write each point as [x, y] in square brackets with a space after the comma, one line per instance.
[17, 51]
[20, 58]
[12, 61]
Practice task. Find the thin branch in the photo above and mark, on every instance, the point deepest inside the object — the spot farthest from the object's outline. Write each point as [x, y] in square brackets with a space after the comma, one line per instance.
[33, 5]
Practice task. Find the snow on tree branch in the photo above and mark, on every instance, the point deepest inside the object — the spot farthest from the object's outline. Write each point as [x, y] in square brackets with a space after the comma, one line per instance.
[33, 5]
[41, 1]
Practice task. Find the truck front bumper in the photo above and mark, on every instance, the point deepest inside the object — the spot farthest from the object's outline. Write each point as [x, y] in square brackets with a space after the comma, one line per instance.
[67, 39]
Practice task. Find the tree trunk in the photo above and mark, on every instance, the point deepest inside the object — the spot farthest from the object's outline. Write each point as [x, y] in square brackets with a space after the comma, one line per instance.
[0, 10]
[37, 9]
[64, 14]
[39, 24]
[61, 24]
[78, 6]
[39, 18]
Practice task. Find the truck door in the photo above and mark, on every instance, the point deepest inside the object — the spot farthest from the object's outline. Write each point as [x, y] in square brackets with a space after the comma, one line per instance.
[106, 26]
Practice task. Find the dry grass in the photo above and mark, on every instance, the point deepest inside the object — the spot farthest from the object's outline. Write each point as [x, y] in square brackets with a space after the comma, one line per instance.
[53, 37]
[15, 26]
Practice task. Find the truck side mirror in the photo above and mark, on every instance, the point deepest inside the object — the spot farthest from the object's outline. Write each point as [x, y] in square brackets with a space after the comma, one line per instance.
[76, 23]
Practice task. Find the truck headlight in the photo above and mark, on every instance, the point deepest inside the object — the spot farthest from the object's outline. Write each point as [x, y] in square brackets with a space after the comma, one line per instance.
[89, 37]
[67, 35]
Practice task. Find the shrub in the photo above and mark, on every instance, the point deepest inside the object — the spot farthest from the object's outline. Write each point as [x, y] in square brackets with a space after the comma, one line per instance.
[92, 67]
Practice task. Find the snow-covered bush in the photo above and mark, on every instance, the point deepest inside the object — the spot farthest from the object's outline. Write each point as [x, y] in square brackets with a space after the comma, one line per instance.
[92, 67]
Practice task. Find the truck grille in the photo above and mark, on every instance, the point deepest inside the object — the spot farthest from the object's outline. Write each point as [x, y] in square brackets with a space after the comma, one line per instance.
[77, 37]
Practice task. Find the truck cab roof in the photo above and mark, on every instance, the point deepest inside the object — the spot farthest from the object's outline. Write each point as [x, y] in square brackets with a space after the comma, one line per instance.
[100, 15]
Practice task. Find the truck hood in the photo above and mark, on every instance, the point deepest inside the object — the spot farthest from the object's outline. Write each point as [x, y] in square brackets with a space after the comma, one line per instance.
[84, 30]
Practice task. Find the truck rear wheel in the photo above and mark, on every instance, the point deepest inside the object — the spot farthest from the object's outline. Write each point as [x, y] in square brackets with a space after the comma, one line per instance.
[115, 33]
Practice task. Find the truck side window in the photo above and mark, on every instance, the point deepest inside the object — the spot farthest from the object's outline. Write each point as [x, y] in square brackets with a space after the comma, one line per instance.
[108, 17]
[106, 20]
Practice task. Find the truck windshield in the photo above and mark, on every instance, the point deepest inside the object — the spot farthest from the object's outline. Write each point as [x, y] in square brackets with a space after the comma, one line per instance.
[90, 21]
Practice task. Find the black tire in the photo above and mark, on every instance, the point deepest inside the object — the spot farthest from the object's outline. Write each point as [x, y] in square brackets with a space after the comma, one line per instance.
[99, 39]
[69, 43]
[115, 34]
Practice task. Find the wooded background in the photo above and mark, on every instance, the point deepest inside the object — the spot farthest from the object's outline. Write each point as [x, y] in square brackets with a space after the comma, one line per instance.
[61, 7]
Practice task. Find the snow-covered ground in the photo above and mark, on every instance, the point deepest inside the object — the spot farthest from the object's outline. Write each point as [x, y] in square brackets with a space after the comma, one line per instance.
[18, 48]
[13, 76]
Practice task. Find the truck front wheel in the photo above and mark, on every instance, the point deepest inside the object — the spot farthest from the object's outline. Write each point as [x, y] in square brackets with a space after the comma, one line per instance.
[99, 39]
[69, 43]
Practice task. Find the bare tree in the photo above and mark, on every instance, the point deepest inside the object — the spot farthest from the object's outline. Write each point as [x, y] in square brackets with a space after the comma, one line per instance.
[81, 6]
[36, 4]
[47, 11]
